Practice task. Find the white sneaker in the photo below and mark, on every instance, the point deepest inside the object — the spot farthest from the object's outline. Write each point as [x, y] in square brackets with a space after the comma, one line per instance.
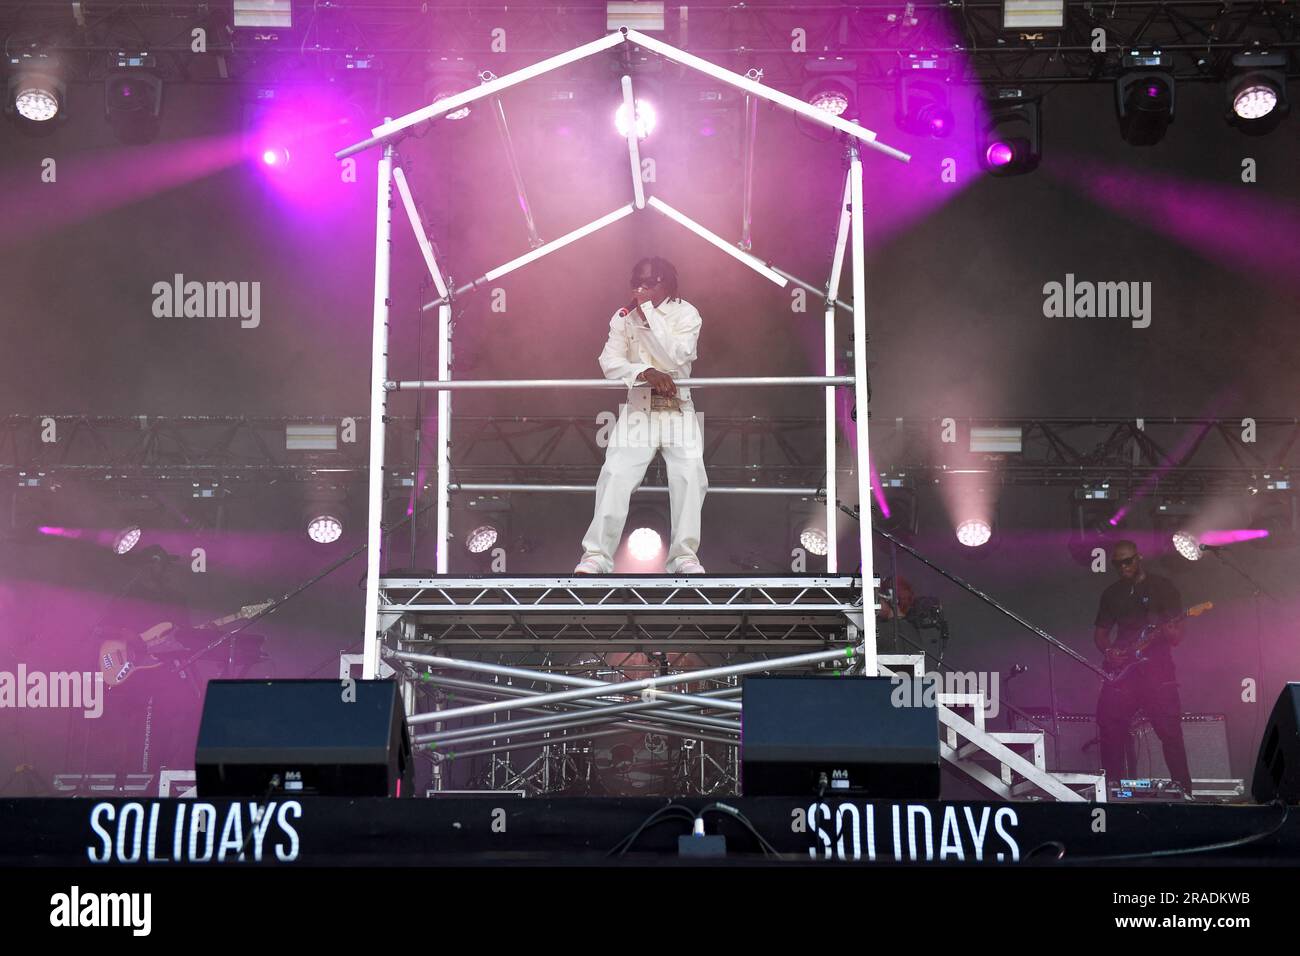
[587, 566]
[689, 566]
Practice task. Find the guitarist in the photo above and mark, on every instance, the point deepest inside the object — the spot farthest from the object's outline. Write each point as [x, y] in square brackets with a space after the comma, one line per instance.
[1134, 601]
[152, 719]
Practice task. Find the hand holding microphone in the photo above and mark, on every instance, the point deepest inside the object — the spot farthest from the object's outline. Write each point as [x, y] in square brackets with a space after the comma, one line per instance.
[638, 297]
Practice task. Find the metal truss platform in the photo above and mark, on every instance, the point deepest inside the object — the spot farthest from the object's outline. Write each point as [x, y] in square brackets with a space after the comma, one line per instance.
[749, 614]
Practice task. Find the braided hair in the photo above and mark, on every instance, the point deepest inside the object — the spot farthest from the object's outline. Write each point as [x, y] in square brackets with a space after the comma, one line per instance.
[662, 268]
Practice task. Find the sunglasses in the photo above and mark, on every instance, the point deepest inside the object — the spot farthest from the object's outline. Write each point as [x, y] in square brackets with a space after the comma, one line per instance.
[645, 282]
[1124, 562]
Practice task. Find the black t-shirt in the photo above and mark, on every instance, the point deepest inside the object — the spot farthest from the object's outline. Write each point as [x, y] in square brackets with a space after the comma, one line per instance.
[1130, 607]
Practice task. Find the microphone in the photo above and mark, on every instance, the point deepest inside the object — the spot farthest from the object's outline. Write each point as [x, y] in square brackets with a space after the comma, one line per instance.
[633, 306]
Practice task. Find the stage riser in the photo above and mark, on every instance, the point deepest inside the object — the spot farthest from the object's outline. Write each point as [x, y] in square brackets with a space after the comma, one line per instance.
[342, 832]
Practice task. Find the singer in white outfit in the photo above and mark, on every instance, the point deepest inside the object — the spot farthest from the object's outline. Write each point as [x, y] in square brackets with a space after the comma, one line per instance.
[651, 343]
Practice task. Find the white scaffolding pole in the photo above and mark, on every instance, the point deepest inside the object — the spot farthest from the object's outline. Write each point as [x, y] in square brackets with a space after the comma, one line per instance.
[443, 446]
[860, 133]
[444, 106]
[421, 237]
[633, 149]
[378, 411]
[832, 293]
[654, 202]
[860, 393]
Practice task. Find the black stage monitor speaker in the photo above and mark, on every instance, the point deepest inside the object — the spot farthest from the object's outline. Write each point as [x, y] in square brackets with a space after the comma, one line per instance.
[1277, 771]
[862, 736]
[262, 738]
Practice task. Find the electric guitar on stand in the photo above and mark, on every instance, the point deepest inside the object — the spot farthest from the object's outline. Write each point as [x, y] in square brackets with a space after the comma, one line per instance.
[118, 662]
[1135, 654]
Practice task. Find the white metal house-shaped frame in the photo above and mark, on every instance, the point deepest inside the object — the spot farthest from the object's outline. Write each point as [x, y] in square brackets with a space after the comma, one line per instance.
[850, 232]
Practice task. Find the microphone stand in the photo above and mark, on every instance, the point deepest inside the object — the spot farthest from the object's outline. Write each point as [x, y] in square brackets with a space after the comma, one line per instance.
[1052, 642]
[279, 602]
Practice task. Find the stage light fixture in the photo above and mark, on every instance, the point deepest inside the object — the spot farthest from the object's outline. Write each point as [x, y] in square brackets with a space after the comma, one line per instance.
[899, 492]
[325, 528]
[996, 440]
[646, 119]
[807, 520]
[133, 97]
[974, 532]
[261, 14]
[1033, 15]
[324, 511]
[1187, 544]
[1011, 141]
[1144, 97]
[1095, 524]
[1273, 510]
[449, 76]
[1256, 91]
[36, 94]
[481, 538]
[831, 85]
[647, 16]
[488, 519]
[126, 539]
[921, 95]
[644, 544]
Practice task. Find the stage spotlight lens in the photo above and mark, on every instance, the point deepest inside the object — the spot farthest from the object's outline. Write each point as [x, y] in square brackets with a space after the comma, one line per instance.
[481, 538]
[644, 544]
[1254, 101]
[1187, 545]
[126, 539]
[813, 540]
[37, 103]
[937, 120]
[459, 114]
[325, 529]
[646, 119]
[835, 102]
[974, 533]
[999, 154]
[275, 156]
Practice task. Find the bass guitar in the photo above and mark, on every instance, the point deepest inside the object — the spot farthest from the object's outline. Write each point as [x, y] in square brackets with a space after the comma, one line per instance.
[117, 662]
[1135, 654]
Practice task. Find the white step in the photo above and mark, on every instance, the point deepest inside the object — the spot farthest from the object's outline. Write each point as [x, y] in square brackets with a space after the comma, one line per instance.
[1033, 740]
[903, 662]
[1093, 784]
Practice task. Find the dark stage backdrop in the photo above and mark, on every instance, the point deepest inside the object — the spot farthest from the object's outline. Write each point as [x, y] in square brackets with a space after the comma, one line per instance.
[955, 298]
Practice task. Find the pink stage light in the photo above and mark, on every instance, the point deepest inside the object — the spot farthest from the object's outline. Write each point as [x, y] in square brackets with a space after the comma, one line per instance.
[275, 156]
[1217, 538]
[646, 119]
[644, 544]
[974, 532]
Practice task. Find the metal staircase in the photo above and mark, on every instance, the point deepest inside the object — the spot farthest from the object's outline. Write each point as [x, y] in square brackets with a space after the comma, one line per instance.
[1009, 764]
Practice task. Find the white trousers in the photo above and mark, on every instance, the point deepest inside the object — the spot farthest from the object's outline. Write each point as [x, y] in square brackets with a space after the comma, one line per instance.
[633, 442]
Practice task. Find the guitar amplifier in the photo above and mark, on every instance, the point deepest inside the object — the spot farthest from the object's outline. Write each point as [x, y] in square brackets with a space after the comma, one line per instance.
[1205, 736]
[1206, 739]
[1076, 744]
